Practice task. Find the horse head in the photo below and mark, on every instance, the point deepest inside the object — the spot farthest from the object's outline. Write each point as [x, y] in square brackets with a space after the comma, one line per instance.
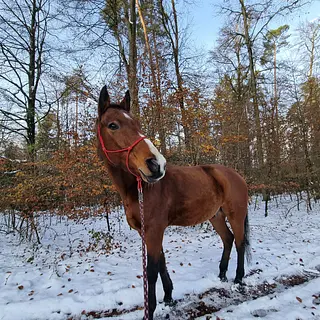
[122, 142]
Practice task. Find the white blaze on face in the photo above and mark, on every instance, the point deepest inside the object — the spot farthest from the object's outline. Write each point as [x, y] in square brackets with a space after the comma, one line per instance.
[160, 158]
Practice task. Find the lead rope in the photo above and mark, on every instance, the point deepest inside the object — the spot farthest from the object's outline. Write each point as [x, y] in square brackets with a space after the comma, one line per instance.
[140, 197]
[144, 257]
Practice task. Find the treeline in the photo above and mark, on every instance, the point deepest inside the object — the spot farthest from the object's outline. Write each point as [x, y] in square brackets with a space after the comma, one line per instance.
[252, 103]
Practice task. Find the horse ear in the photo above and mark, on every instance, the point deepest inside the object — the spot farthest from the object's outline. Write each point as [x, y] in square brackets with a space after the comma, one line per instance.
[125, 103]
[104, 101]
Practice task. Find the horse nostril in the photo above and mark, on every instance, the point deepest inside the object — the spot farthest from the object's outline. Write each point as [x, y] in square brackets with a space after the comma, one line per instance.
[153, 165]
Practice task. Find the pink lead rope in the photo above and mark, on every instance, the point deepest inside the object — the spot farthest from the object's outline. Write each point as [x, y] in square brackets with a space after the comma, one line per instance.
[140, 198]
[144, 256]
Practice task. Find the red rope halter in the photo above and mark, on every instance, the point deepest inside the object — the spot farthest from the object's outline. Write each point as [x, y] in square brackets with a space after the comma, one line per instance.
[140, 198]
[119, 151]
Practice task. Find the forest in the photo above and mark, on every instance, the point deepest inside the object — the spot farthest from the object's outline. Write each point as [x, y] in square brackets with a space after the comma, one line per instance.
[232, 82]
[251, 101]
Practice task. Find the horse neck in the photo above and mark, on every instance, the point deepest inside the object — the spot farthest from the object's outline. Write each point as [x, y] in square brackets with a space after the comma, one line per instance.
[125, 182]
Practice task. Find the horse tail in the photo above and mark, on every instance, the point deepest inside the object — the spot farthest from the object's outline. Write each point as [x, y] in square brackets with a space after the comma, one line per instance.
[247, 247]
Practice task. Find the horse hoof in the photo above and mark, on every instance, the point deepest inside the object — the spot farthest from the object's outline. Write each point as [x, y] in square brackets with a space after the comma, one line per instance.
[223, 279]
[170, 302]
[239, 281]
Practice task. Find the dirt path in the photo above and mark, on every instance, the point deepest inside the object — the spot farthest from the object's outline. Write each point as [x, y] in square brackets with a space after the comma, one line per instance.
[214, 299]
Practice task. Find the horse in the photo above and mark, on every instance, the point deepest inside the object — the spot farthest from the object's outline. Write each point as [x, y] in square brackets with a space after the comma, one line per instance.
[173, 195]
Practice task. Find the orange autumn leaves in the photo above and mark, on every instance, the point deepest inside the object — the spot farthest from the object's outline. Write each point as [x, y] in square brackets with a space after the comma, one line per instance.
[67, 181]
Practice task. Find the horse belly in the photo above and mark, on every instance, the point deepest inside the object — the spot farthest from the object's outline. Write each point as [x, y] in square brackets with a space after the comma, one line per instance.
[195, 214]
[197, 197]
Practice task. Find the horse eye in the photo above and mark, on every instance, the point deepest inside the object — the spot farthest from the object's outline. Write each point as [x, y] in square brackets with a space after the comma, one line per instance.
[113, 126]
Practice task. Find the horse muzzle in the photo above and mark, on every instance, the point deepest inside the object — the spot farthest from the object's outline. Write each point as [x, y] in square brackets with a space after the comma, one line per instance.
[157, 170]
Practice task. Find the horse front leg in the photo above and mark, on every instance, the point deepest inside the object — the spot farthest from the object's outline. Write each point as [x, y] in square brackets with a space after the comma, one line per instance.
[154, 238]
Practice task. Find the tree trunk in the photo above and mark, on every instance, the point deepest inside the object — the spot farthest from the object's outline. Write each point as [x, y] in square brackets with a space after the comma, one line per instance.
[275, 144]
[76, 122]
[156, 86]
[132, 70]
[174, 40]
[253, 84]
[31, 115]
[130, 63]
[180, 91]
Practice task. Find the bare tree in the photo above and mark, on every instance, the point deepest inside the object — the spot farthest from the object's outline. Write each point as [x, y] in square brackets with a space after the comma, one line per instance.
[232, 97]
[154, 65]
[274, 40]
[254, 17]
[169, 18]
[120, 18]
[23, 26]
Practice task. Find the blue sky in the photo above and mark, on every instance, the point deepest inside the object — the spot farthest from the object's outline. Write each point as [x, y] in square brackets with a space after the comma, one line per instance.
[205, 23]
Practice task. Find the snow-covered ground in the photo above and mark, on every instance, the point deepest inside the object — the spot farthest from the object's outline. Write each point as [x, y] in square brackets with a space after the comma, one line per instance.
[72, 276]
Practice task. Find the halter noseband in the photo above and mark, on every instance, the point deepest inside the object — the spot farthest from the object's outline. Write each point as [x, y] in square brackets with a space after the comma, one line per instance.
[119, 151]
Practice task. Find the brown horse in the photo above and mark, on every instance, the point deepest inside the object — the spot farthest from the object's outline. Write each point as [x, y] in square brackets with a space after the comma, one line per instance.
[182, 196]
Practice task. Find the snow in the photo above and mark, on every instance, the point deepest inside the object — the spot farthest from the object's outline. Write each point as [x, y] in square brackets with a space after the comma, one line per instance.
[78, 268]
[283, 306]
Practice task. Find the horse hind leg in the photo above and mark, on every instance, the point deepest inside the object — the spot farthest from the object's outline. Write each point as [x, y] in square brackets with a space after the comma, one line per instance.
[166, 281]
[240, 231]
[219, 224]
